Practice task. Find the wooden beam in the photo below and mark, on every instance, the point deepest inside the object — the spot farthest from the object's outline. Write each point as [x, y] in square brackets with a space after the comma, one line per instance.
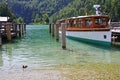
[8, 31]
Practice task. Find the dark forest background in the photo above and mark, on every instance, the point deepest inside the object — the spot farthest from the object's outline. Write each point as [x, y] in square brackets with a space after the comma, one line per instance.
[46, 11]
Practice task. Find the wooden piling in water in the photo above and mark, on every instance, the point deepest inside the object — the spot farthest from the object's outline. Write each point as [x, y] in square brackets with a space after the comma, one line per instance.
[52, 29]
[24, 28]
[63, 25]
[0, 40]
[57, 32]
[8, 31]
[17, 31]
[20, 30]
[15, 28]
[0, 35]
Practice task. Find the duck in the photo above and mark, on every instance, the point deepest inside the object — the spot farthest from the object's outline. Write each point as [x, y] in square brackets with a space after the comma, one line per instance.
[24, 66]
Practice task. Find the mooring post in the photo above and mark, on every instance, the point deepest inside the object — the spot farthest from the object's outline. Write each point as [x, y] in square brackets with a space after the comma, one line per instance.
[17, 31]
[0, 35]
[8, 31]
[24, 28]
[63, 25]
[20, 30]
[52, 29]
[0, 41]
[57, 32]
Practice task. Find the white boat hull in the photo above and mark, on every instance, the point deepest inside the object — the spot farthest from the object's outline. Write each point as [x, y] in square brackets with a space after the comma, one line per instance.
[95, 36]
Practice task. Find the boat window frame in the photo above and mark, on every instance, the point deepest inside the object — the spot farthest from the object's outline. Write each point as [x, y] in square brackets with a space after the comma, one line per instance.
[100, 22]
[80, 22]
[88, 22]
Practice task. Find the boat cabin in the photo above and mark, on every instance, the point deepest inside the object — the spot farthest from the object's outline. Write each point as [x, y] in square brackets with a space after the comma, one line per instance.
[87, 23]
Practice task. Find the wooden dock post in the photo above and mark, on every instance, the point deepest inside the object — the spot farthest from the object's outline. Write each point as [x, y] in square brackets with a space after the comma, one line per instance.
[15, 28]
[0, 40]
[57, 32]
[63, 25]
[52, 29]
[24, 28]
[17, 31]
[8, 31]
[20, 30]
[0, 35]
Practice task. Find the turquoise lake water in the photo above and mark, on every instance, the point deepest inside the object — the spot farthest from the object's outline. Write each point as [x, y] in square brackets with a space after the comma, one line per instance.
[37, 48]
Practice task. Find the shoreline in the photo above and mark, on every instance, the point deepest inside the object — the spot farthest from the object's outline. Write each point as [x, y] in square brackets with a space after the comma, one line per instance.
[89, 71]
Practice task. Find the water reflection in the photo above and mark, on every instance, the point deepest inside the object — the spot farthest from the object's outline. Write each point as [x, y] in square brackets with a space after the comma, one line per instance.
[6, 56]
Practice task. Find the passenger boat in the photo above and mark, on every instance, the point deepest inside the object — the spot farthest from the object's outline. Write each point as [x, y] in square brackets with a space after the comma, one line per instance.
[89, 28]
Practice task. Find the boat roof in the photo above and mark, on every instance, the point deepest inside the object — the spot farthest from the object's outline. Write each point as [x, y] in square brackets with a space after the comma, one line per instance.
[88, 16]
[92, 16]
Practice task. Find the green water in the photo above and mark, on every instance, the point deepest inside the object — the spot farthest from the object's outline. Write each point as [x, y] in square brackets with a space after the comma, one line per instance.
[38, 49]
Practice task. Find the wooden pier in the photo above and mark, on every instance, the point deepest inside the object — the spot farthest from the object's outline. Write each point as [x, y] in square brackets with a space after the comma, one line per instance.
[115, 29]
[8, 31]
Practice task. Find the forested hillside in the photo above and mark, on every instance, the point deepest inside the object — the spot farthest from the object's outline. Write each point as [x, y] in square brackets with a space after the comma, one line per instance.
[5, 11]
[80, 7]
[29, 10]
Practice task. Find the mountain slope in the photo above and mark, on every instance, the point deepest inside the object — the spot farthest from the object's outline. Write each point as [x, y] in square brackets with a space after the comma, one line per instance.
[29, 8]
[58, 9]
[80, 7]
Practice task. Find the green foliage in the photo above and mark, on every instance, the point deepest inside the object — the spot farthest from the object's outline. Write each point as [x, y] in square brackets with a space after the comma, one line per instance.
[58, 9]
[80, 7]
[37, 19]
[5, 11]
[29, 8]
[19, 20]
[43, 20]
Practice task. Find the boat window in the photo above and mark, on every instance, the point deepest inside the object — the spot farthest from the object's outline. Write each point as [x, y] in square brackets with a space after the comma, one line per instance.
[88, 22]
[101, 22]
[74, 22]
[70, 23]
[80, 23]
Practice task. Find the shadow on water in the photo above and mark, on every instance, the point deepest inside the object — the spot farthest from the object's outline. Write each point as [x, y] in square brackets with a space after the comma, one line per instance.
[14, 39]
[117, 46]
